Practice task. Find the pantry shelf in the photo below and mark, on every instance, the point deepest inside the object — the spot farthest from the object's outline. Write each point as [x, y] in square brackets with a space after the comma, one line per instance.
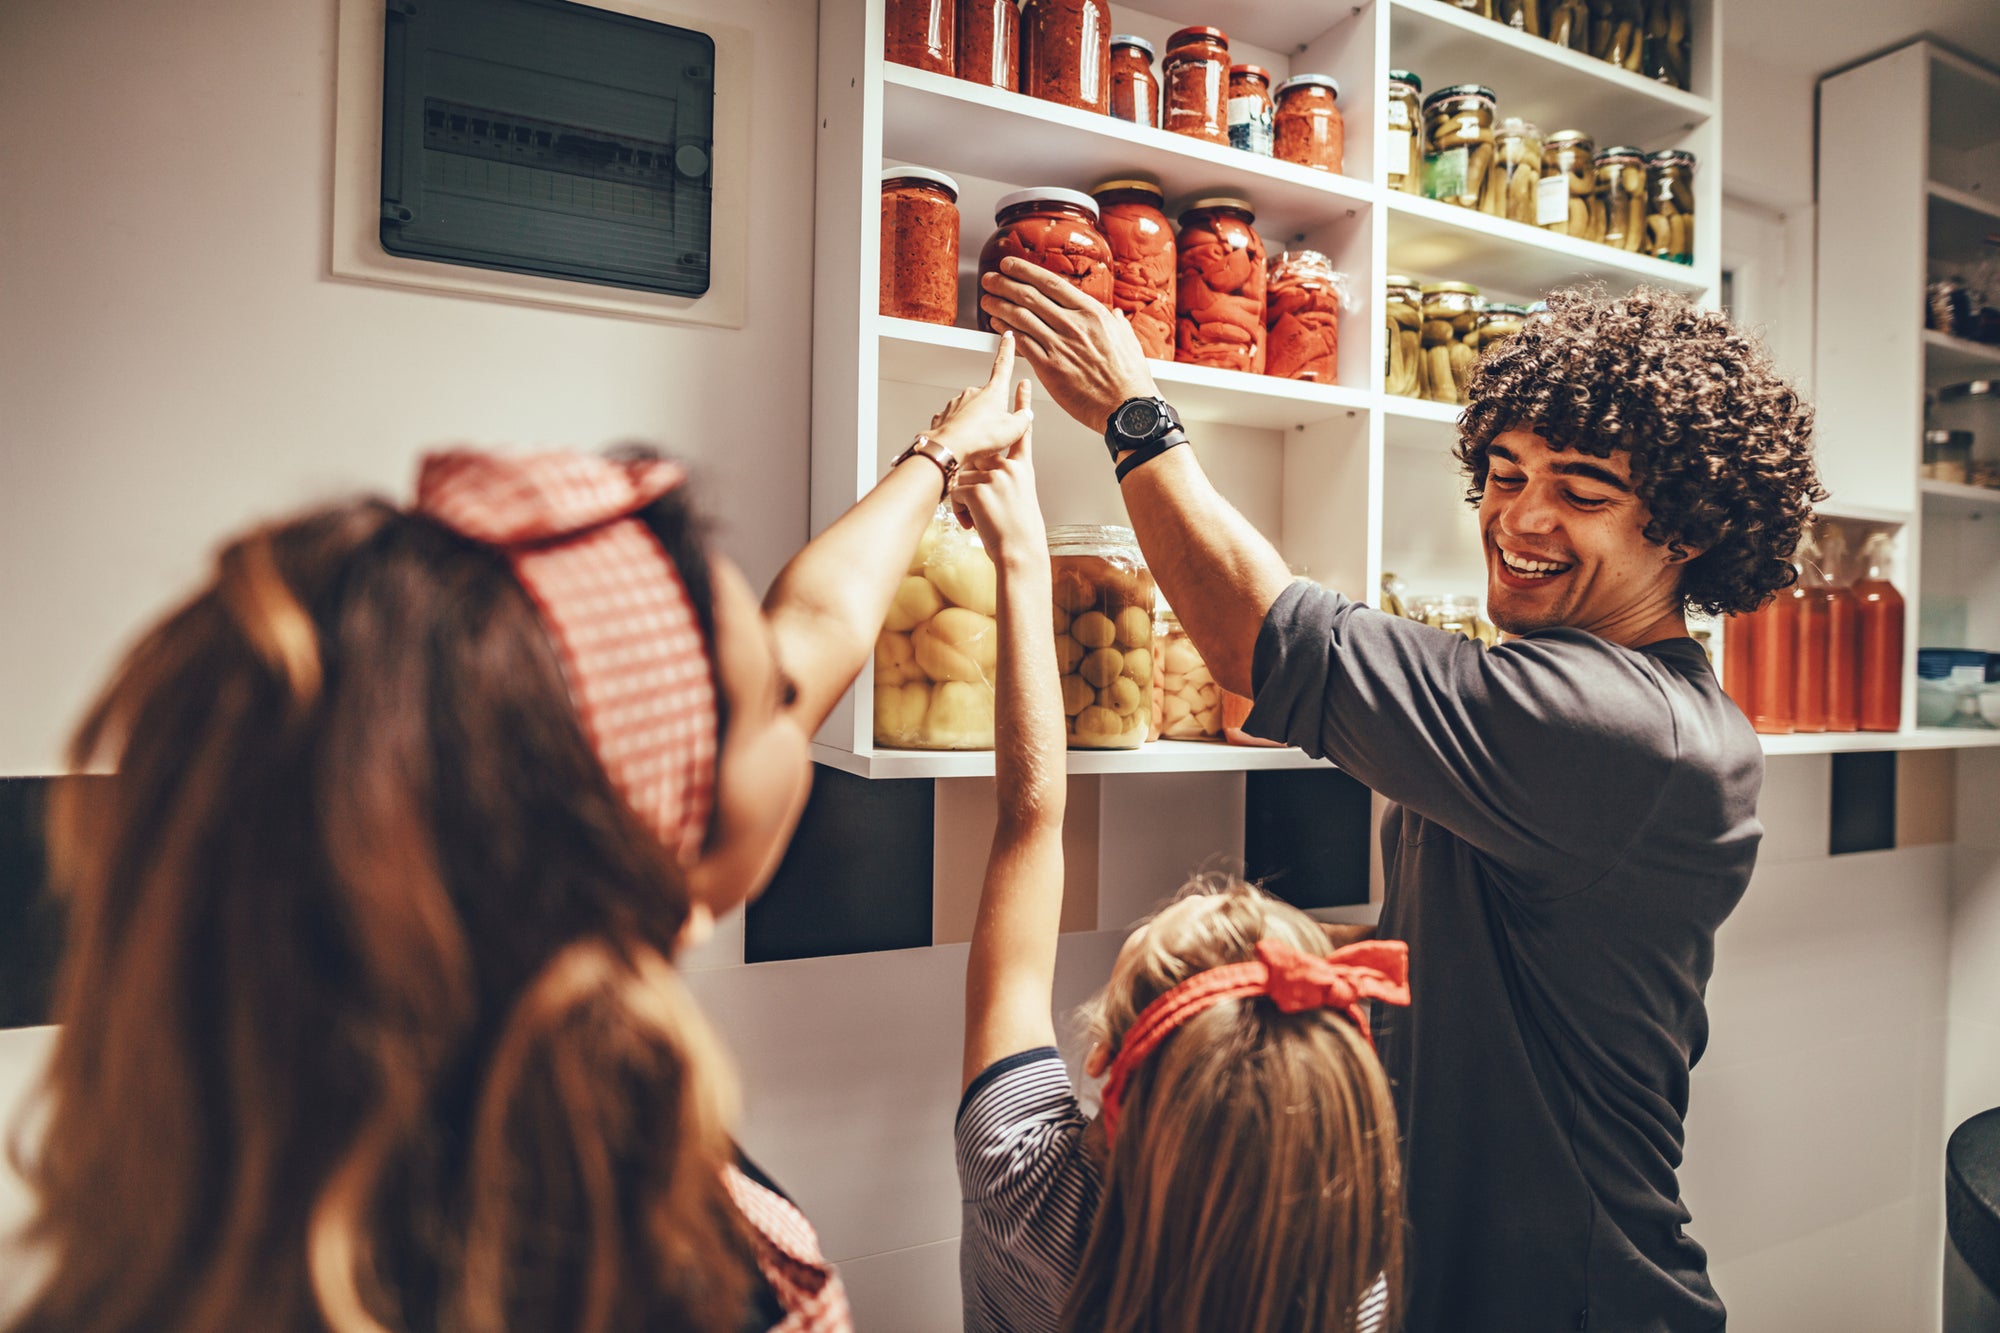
[1948, 359]
[1952, 497]
[1960, 222]
[1158, 757]
[1848, 742]
[1862, 513]
[1429, 241]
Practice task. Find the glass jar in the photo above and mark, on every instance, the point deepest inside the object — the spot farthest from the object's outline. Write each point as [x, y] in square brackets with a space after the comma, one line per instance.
[1669, 42]
[922, 33]
[1066, 52]
[1143, 260]
[1458, 145]
[1056, 229]
[935, 656]
[1569, 24]
[1135, 93]
[1196, 78]
[1403, 141]
[989, 43]
[1517, 145]
[1450, 337]
[1250, 109]
[1309, 127]
[1621, 180]
[1670, 206]
[1104, 635]
[1219, 287]
[1187, 703]
[1948, 456]
[1455, 615]
[1498, 323]
[1618, 33]
[1568, 154]
[919, 245]
[1302, 301]
[1483, 8]
[1403, 315]
[1521, 15]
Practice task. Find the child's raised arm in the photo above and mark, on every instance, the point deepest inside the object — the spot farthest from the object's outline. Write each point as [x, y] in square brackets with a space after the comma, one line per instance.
[1010, 976]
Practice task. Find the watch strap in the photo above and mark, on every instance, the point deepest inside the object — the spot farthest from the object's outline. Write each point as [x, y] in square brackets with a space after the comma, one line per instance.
[941, 455]
[1146, 453]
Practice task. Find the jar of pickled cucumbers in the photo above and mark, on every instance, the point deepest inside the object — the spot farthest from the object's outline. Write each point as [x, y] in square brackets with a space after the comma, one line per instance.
[1403, 314]
[1618, 33]
[1569, 156]
[935, 656]
[1104, 635]
[1517, 151]
[1483, 8]
[1458, 144]
[1621, 181]
[1669, 41]
[1498, 323]
[1187, 703]
[1450, 339]
[1521, 15]
[1670, 206]
[1568, 24]
[1403, 138]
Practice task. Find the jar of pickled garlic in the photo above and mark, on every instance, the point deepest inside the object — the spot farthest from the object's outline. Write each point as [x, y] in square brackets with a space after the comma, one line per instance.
[1517, 148]
[1302, 301]
[922, 33]
[1219, 291]
[1055, 228]
[1250, 111]
[989, 43]
[1450, 339]
[1621, 181]
[1143, 260]
[1403, 314]
[1195, 84]
[1403, 140]
[1310, 129]
[1104, 635]
[1458, 145]
[1498, 323]
[1066, 52]
[1569, 155]
[1135, 92]
[935, 656]
[1670, 206]
[919, 245]
[1187, 703]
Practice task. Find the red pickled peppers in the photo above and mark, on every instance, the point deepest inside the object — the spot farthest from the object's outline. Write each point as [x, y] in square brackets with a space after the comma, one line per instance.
[1143, 261]
[1220, 293]
[1302, 318]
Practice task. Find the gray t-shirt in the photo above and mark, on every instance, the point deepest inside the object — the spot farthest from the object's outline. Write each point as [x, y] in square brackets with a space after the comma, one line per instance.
[1574, 820]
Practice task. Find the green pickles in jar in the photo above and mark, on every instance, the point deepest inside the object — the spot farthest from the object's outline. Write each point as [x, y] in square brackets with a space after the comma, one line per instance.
[1517, 146]
[1569, 24]
[1458, 146]
[1621, 180]
[1498, 323]
[1521, 15]
[1669, 42]
[1450, 339]
[1404, 117]
[1670, 206]
[1577, 208]
[1403, 314]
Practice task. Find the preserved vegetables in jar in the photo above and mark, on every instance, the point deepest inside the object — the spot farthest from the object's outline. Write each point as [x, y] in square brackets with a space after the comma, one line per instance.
[1670, 206]
[1879, 611]
[1483, 8]
[1309, 128]
[1843, 637]
[1518, 147]
[1618, 33]
[1195, 79]
[935, 656]
[922, 33]
[1187, 703]
[1104, 635]
[1458, 147]
[1569, 24]
[1055, 229]
[1143, 260]
[1669, 42]
[1302, 301]
[1219, 294]
[1135, 93]
[1066, 52]
[1621, 180]
[989, 43]
[1521, 15]
[919, 245]
[1567, 155]
[1450, 337]
[1498, 323]
[1404, 137]
[1250, 109]
[1403, 313]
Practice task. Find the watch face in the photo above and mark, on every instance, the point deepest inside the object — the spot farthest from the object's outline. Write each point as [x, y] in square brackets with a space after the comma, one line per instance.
[1138, 420]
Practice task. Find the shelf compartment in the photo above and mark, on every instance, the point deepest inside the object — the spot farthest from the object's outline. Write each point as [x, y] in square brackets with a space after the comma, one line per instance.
[1158, 757]
[1960, 222]
[1951, 497]
[1847, 742]
[1430, 240]
[1948, 360]
[1549, 85]
[1855, 512]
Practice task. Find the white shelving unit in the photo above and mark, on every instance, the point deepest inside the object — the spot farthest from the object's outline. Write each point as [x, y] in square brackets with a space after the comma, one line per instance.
[1347, 480]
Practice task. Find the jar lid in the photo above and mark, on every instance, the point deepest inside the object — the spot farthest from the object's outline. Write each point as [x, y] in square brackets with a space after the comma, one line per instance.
[1045, 194]
[1312, 257]
[1457, 90]
[1398, 280]
[1220, 201]
[1969, 389]
[1254, 71]
[1505, 311]
[1186, 35]
[1636, 154]
[1091, 534]
[1326, 81]
[1671, 157]
[1453, 288]
[1566, 137]
[1515, 125]
[920, 174]
[1135, 183]
[1128, 39]
[1407, 76]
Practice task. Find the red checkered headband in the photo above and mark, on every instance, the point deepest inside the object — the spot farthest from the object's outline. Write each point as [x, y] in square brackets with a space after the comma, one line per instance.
[615, 606]
[1294, 981]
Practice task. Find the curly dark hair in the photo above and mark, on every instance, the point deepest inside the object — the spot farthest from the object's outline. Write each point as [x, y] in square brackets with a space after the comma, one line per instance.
[1721, 444]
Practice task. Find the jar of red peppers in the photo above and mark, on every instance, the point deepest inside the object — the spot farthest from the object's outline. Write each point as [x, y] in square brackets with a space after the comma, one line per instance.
[923, 33]
[1219, 293]
[989, 43]
[1056, 229]
[1196, 78]
[1135, 93]
[1143, 261]
[1066, 52]
[1302, 317]
[1309, 127]
[1250, 109]
[919, 245]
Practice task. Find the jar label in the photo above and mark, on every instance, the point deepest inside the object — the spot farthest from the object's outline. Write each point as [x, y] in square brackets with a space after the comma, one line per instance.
[1552, 200]
[1444, 174]
[1396, 150]
[1250, 125]
[1399, 116]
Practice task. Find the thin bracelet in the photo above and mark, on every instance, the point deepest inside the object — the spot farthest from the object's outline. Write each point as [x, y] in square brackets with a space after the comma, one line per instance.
[1147, 453]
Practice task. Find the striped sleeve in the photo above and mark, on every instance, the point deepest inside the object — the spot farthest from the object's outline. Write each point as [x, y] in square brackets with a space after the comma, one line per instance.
[1368, 1318]
[1030, 1193]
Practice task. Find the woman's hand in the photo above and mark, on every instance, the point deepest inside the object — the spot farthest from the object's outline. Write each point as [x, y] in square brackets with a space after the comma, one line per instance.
[1085, 355]
[976, 420]
[999, 495]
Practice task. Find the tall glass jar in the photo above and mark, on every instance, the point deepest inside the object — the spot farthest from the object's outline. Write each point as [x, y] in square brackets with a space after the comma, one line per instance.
[1521, 15]
[1302, 304]
[1135, 93]
[1670, 206]
[1104, 635]
[1250, 110]
[935, 656]
[989, 43]
[1403, 314]
[1621, 180]
[1568, 154]
[1568, 24]
[1518, 146]
[1056, 229]
[1219, 293]
[919, 245]
[1066, 52]
[1310, 129]
[922, 33]
[1195, 75]
[1143, 260]
[1483, 8]
[1498, 323]
[1458, 145]
[1450, 338]
[1187, 703]
[1403, 142]
[1669, 42]
[1618, 33]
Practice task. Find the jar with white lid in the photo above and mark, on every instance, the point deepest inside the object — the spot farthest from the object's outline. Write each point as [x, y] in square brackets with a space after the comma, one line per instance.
[919, 278]
[1056, 229]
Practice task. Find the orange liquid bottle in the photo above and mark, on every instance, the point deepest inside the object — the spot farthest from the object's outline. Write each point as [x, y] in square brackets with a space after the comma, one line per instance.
[1774, 642]
[1843, 637]
[1879, 613]
[1809, 694]
[1738, 661]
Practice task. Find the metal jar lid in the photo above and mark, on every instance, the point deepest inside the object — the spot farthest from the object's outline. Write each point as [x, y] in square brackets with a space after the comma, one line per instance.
[1406, 76]
[1045, 194]
[920, 174]
[1103, 188]
[1969, 389]
[1671, 157]
[1129, 40]
[1326, 81]
[1253, 71]
[1569, 138]
[1398, 280]
[1202, 205]
[1216, 35]
[1636, 154]
[1450, 288]
[1457, 90]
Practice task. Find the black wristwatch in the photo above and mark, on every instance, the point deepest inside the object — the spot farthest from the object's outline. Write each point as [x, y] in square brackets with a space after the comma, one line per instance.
[1145, 428]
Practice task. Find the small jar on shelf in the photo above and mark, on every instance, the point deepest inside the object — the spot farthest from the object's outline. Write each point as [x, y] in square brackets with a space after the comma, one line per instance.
[1066, 52]
[922, 34]
[1220, 286]
[1403, 315]
[1618, 33]
[1249, 109]
[1498, 323]
[919, 245]
[1669, 42]
[1568, 24]
[936, 654]
[1450, 337]
[1310, 129]
[1302, 304]
[1570, 154]
[1143, 260]
[1458, 146]
[1403, 141]
[1104, 635]
[1056, 229]
[1187, 703]
[1621, 181]
[1670, 206]
[1135, 91]
[989, 43]
[1517, 146]
[1521, 15]
[1195, 84]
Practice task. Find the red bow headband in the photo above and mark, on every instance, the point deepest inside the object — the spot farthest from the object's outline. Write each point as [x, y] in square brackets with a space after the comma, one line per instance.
[631, 647]
[1294, 981]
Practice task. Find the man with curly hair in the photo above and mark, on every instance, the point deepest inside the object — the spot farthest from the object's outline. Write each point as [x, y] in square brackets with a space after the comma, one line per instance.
[1575, 809]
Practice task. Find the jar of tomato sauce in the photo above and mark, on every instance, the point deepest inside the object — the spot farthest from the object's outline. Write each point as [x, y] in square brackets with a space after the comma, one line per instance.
[1066, 52]
[919, 245]
[989, 43]
[1308, 126]
[1135, 92]
[1196, 84]
[1056, 229]
[1143, 261]
[1250, 109]
[922, 33]
[1220, 286]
